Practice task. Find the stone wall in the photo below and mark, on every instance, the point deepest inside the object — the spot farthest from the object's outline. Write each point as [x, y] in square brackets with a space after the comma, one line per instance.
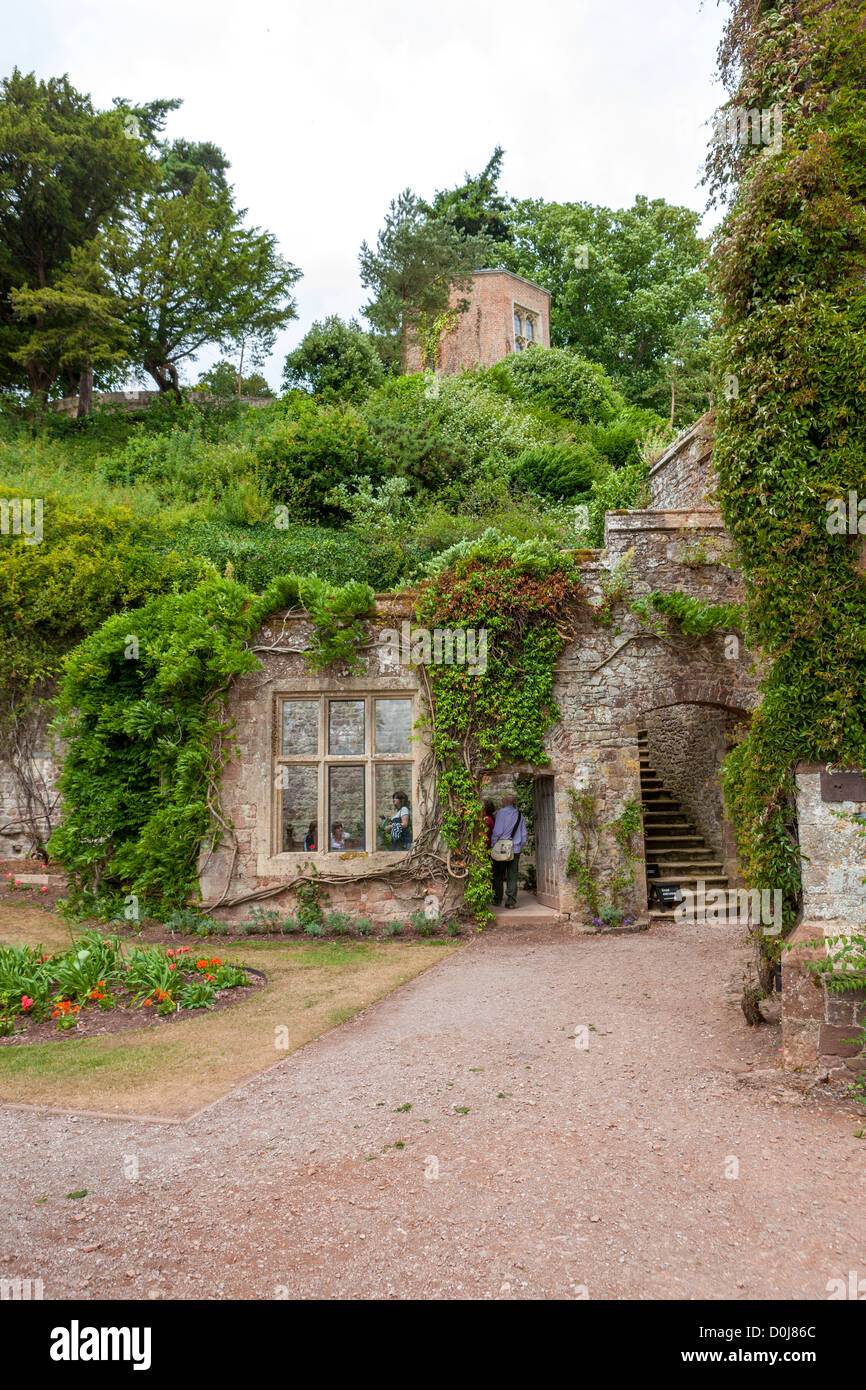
[140, 400]
[684, 476]
[484, 333]
[251, 867]
[816, 1023]
[609, 679]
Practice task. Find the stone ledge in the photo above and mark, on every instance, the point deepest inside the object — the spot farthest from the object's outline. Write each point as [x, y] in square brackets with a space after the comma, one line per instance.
[648, 519]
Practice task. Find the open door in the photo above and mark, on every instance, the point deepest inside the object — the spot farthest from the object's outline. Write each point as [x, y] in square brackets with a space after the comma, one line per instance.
[544, 816]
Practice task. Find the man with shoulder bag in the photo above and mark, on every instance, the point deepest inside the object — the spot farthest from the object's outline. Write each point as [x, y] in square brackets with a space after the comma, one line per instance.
[509, 837]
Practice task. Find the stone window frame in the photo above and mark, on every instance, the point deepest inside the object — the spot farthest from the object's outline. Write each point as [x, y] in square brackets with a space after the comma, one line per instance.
[322, 760]
[530, 316]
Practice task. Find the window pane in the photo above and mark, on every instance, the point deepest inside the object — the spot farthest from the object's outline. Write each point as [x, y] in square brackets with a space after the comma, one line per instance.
[346, 822]
[393, 726]
[300, 808]
[529, 328]
[518, 326]
[346, 726]
[300, 727]
[393, 794]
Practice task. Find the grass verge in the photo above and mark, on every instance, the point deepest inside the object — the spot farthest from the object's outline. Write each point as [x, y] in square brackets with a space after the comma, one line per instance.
[176, 1068]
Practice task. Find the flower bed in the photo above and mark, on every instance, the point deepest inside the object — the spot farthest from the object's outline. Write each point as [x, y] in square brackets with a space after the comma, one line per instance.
[75, 989]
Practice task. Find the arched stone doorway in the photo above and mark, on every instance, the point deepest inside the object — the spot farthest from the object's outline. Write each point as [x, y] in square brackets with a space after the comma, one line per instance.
[688, 838]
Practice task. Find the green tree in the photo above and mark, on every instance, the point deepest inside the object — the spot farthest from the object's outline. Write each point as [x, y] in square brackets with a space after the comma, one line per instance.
[683, 390]
[65, 170]
[621, 283]
[74, 324]
[335, 360]
[224, 379]
[189, 274]
[476, 207]
[418, 261]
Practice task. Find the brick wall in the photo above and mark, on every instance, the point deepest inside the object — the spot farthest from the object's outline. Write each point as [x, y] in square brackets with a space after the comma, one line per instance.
[484, 334]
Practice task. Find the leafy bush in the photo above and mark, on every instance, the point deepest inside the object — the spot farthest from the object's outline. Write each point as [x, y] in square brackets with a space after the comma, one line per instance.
[619, 440]
[335, 360]
[339, 923]
[561, 471]
[363, 926]
[621, 490]
[311, 448]
[257, 552]
[93, 562]
[560, 379]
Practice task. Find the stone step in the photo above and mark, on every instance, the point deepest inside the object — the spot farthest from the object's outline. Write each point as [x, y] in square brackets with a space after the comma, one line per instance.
[692, 883]
[701, 868]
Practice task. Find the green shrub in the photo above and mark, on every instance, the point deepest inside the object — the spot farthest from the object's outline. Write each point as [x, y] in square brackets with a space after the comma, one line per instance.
[309, 449]
[561, 380]
[421, 925]
[339, 923]
[363, 926]
[257, 552]
[560, 471]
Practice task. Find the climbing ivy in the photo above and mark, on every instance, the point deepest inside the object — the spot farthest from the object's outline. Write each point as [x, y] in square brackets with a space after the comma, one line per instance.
[526, 597]
[790, 432]
[141, 711]
[692, 615]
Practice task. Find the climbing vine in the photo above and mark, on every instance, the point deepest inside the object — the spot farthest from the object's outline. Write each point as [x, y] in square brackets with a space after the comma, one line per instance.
[141, 709]
[587, 831]
[526, 597]
[790, 433]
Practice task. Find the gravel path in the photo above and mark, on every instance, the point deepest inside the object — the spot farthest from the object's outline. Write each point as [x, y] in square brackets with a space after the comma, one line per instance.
[605, 1172]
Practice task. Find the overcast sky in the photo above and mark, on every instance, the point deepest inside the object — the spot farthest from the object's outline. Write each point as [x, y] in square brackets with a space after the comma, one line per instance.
[327, 110]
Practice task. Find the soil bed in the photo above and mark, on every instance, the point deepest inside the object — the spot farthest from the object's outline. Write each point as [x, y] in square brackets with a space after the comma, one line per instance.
[97, 1023]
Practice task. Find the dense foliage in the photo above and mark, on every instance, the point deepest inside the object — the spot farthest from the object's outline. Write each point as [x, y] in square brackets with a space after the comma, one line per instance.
[140, 708]
[791, 430]
[118, 251]
[526, 597]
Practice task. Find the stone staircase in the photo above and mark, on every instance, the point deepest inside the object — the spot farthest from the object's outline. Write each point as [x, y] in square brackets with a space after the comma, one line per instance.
[671, 839]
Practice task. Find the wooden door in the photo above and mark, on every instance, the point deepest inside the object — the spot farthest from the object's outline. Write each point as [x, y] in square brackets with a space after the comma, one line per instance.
[544, 814]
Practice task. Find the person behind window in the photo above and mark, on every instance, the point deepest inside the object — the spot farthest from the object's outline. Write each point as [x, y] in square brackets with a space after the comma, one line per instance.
[338, 838]
[311, 838]
[398, 825]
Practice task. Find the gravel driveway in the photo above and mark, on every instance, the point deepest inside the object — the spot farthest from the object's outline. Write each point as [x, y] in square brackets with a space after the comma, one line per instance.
[657, 1163]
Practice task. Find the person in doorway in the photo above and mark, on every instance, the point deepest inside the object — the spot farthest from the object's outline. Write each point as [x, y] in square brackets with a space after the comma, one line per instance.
[489, 821]
[509, 825]
[338, 838]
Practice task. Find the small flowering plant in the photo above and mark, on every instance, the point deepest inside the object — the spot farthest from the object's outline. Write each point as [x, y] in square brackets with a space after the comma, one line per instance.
[96, 972]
